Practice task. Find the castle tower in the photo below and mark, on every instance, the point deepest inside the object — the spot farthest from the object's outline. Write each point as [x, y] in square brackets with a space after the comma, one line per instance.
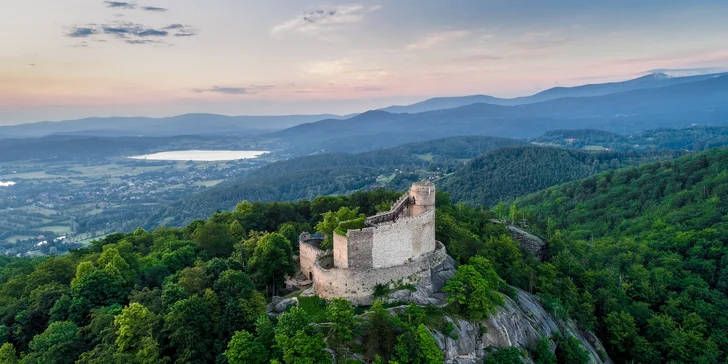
[423, 198]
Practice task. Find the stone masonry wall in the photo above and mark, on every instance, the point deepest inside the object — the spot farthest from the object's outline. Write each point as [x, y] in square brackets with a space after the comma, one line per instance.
[357, 285]
[341, 251]
[387, 244]
[407, 238]
[307, 256]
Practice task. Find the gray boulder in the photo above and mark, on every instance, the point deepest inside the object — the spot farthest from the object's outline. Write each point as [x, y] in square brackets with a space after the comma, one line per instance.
[281, 306]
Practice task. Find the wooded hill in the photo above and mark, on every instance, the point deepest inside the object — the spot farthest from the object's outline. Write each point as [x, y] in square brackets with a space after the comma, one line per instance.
[329, 174]
[504, 174]
[645, 249]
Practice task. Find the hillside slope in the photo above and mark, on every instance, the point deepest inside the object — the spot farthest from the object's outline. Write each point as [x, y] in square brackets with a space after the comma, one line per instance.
[504, 174]
[646, 250]
[327, 174]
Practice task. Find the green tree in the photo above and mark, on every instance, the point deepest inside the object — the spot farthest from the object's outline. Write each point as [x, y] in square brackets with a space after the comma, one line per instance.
[134, 324]
[290, 233]
[58, 344]
[236, 231]
[272, 261]
[379, 335]
[298, 339]
[501, 211]
[243, 348]
[101, 287]
[622, 330]
[193, 280]
[542, 353]
[471, 293]
[510, 355]
[190, 325]
[331, 221]
[431, 354]
[213, 240]
[8, 354]
[514, 213]
[570, 351]
[341, 314]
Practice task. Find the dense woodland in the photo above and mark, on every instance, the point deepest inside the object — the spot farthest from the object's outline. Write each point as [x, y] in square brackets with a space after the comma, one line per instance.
[507, 173]
[643, 255]
[638, 255]
[695, 139]
[198, 294]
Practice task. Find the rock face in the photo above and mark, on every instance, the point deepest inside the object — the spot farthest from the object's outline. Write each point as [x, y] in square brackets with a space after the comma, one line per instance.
[528, 242]
[427, 290]
[521, 324]
[279, 305]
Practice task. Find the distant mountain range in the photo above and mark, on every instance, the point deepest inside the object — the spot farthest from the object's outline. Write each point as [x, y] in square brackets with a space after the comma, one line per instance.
[703, 101]
[654, 100]
[188, 124]
[653, 80]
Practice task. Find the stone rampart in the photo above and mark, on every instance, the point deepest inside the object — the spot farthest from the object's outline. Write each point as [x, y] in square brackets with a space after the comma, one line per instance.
[357, 285]
[308, 254]
[386, 244]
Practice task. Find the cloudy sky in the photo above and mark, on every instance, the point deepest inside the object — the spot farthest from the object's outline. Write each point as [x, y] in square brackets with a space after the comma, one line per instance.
[78, 58]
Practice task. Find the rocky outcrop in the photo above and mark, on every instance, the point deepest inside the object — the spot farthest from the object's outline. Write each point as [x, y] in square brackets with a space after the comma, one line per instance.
[279, 305]
[520, 323]
[429, 284]
[528, 242]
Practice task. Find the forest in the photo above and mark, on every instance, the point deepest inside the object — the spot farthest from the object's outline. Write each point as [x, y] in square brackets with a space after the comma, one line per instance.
[198, 294]
[504, 174]
[638, 255]
[642, 255]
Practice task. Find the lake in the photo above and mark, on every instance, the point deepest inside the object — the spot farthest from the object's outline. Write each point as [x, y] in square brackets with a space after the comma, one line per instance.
[202, 155]
[6, 183]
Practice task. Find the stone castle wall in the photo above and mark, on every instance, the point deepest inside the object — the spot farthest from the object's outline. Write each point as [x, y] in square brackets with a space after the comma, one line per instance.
[357, 285]
[386, 245]
[407, 238]
[308, 254]
[398, 247]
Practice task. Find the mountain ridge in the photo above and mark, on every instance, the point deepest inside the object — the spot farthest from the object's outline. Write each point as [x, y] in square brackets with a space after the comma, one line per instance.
[652, 80]
[676, 106]
[193, 123]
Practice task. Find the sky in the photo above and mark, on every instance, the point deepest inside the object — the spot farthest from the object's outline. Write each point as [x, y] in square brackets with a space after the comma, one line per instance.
[71, 59]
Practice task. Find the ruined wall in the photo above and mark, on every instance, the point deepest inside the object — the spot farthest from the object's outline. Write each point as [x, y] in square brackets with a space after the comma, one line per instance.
[357, 285]
[341, 251]
[423, 196]
[307, 256]
[407, 238]
[387, 244]
[360, 244]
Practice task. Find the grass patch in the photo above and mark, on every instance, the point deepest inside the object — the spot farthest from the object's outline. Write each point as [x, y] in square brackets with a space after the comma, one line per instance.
[315, 306]
[345, 226]
[13, 238]
[381, 290]
[57, 229]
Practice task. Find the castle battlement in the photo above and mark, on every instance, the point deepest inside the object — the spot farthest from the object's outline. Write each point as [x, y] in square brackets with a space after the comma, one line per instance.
[395, 238]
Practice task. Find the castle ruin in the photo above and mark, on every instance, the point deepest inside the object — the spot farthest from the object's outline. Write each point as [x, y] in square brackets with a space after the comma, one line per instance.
[397, 247]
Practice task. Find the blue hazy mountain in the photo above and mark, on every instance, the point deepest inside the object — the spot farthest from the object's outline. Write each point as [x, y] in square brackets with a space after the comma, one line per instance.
[187, 124]
[701, 102]
[653, 80]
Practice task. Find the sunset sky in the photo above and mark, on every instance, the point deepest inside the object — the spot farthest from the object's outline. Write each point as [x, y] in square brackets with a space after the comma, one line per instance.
[79, 58]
